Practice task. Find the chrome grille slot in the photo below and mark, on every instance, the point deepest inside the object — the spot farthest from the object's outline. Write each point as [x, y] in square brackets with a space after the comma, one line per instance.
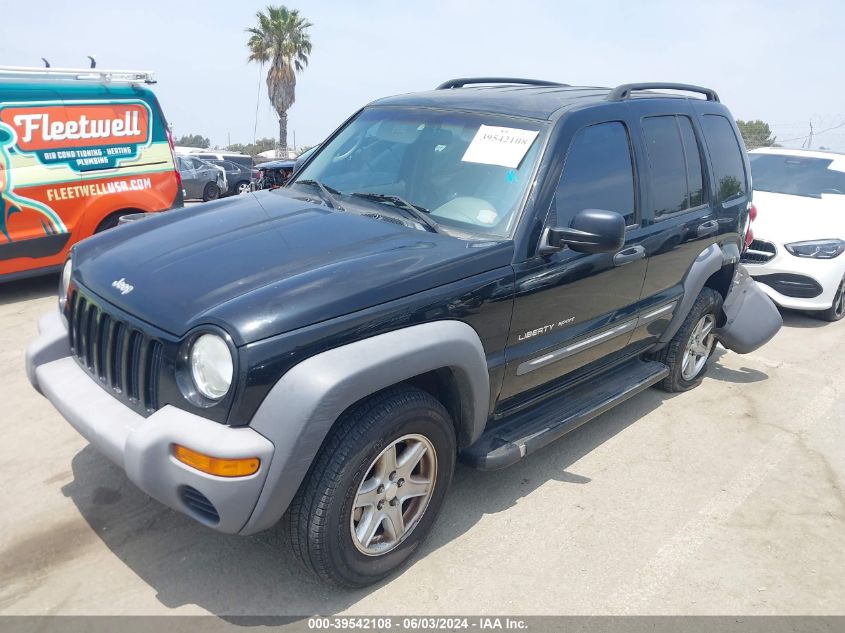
[758, 252]
[122, 358]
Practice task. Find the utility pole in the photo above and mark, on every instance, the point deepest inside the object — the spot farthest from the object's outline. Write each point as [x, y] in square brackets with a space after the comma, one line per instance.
[810, 138]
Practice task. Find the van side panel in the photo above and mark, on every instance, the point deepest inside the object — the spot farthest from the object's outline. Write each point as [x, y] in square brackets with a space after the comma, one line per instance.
[70, 156]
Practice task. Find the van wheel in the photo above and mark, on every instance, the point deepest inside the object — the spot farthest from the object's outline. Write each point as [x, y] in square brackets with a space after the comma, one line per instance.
[211, 192]
[687, 353]
[374, 489]
[111, 221]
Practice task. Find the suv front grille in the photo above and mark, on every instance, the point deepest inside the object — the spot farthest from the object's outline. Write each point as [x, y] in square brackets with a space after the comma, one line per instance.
[122, 359]
[759, 252]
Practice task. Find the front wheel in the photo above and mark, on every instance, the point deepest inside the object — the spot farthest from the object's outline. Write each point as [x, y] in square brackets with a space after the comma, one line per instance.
[211, 192]
[837, 309]
[375, 488]
[687, 353]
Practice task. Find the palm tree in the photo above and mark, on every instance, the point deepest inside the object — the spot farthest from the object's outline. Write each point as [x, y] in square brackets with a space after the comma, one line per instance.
[282, 39]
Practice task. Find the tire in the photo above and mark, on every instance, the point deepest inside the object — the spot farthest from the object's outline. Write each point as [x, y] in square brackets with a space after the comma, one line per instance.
[682, 376]
[242, 187]
[837, 309]
[111, 221]
[322, 521]
[211, 192]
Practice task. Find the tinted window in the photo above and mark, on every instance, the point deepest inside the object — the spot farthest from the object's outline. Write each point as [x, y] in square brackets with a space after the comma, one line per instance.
[598, 174]
[245, 161]
[796, 175]
[668, 165]
[692, 152]
[726, 156]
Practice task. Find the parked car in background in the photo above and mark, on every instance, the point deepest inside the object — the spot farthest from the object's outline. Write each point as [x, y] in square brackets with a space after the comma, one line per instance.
[201, 180]
[235, 157]
[59, 183]
[800, 231]
[238, 177]
[274, 174]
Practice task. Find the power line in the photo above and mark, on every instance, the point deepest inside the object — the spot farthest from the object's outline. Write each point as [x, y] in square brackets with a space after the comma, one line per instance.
[802, 138]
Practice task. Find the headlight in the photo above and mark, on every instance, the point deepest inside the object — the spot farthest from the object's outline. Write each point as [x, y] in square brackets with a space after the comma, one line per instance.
[817, 249]
[64, 283]
[211, 366]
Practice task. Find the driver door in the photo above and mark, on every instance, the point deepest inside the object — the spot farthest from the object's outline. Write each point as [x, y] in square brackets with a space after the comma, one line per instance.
[572, 309]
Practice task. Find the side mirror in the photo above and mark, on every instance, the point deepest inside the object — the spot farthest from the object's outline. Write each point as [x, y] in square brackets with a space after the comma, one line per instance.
[591, 231]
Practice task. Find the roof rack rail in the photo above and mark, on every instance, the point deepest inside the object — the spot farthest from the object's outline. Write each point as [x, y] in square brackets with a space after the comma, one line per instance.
[463, 81]
[624, 91]
[84, 74]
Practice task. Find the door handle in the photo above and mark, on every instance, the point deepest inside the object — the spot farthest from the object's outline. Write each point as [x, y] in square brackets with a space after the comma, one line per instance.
[708, 228]
[628, 255]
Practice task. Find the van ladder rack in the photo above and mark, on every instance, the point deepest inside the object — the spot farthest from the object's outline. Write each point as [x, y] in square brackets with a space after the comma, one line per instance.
[82, 74]
[460, 83]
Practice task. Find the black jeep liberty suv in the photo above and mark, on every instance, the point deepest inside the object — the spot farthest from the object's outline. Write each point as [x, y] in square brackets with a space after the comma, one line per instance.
[470, 272]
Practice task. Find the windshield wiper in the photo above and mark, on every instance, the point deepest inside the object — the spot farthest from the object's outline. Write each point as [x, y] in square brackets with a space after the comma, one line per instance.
[420, 214]
[325, 193]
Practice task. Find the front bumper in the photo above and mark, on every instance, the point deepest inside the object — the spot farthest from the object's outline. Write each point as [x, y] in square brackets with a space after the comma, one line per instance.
[143, 447]
[826, 273]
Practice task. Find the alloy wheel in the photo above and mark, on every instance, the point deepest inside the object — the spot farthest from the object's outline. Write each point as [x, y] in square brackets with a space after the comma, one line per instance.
[393, 495]
[698, 347]
[839, 300]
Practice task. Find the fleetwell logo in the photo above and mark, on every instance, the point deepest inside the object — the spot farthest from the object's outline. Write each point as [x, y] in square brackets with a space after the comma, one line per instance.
[122, 285]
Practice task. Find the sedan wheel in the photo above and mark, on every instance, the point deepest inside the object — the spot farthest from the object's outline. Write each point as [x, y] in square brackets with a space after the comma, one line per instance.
[243, 188]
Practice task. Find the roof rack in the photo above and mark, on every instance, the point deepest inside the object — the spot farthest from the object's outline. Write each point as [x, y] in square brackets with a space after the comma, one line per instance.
[84, 74]
[460, 83]
[624, 91]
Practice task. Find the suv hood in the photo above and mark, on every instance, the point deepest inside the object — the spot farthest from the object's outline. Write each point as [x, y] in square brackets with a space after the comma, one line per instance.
[263, 264]
[785, 218]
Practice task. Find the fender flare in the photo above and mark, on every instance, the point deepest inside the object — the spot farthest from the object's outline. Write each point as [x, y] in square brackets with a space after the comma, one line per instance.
[709, 261]
[301, 408]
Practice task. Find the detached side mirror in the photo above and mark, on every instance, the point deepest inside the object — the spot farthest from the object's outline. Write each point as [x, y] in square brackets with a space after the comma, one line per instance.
[591, 231]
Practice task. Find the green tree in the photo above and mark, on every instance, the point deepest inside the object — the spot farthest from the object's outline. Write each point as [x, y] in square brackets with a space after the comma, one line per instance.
[280, 38]
[756, 134]
[194, 140]
[253, 149]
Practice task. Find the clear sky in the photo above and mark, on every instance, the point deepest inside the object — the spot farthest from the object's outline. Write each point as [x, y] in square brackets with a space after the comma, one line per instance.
[771, 60]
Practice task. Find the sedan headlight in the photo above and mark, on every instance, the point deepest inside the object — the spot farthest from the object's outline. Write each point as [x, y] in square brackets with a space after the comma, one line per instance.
[817, 249]
[212, 366]
[64, 283]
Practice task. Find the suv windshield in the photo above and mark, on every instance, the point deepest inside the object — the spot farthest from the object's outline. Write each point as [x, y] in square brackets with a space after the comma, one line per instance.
[468, 171]
[796, 175]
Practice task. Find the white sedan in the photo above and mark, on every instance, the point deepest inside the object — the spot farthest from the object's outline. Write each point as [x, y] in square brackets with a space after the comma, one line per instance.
[799, 232]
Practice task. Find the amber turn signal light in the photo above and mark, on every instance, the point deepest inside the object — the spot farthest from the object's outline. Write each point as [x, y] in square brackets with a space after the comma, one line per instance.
[216, 465]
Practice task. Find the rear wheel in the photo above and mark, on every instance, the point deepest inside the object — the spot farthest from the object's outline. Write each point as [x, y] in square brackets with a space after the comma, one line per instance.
[837, 309]
[112, 220]
[687, 353]
[211, 192]
[242, 187]
[375, 489]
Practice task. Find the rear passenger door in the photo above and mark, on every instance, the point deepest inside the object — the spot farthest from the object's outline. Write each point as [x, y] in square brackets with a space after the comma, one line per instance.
[682, 216]
[190, 178]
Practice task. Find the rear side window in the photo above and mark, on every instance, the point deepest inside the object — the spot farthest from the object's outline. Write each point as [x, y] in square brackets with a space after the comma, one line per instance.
[676, 179]
[598, 174]
[725, 152]
[692, 153]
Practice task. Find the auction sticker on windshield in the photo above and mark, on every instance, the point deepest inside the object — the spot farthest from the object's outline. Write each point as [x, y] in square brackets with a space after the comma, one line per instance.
[505, 146]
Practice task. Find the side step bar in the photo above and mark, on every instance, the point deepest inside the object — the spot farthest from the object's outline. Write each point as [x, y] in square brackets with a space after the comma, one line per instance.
[526, 432]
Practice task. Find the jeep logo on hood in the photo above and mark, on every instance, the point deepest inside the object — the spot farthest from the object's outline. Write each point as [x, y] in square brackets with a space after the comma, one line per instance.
[122, 285]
